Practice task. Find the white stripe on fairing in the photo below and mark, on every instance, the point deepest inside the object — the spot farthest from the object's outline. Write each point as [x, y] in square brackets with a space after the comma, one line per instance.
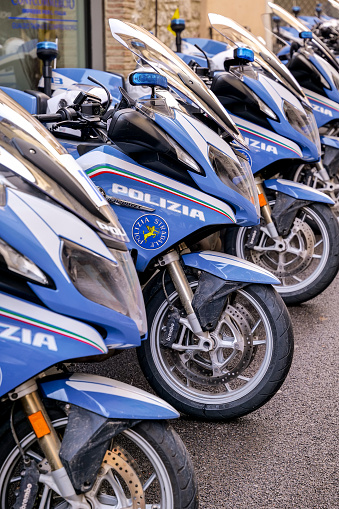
[91, 160]
[41, 231]
[279, 92]
[118, 389]
[194, 126]
[260, 130]
[15, 165]
[235, 261]
[290, 183]
[322, 99]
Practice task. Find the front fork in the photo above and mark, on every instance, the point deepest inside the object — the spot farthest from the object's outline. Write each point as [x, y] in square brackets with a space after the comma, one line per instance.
[265, 209]
[171, 261]
[49, 442]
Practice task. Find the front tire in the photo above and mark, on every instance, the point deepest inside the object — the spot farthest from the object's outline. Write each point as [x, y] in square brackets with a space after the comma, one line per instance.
[255, 314]
[152, 448]
[305, 275]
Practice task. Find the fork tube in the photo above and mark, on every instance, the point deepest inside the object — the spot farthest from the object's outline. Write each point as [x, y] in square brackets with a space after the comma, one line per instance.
[180, 282]
[266, 212]
[322, 172]
[178, 276]
[49, 442]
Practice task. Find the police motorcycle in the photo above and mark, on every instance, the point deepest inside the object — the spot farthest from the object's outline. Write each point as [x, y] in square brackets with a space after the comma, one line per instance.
[220, 339]
[323, 26]
[297, 237]
[317, 72]
[69, 292]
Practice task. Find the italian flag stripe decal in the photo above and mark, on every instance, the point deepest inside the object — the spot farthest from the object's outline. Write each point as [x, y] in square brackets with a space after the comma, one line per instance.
[100, 170]
[322, 101]
[50, 328]
[251, 131]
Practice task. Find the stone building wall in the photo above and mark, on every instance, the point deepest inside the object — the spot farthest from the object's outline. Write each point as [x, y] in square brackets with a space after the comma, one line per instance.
[142, 13]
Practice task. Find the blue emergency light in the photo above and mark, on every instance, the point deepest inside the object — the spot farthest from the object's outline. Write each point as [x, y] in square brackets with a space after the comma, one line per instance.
[305, 35]
[49, 45]
[148, 79]
[245, 54]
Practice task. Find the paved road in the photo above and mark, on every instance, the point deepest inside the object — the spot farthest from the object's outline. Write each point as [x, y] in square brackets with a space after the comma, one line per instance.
[285, 455]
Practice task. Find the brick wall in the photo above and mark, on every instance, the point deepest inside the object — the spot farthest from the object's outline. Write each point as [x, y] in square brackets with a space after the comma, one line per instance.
[142, 13]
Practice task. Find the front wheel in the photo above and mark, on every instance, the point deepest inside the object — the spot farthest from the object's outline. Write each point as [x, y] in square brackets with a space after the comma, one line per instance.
[307, 259]
[151, 454]
[252, 354]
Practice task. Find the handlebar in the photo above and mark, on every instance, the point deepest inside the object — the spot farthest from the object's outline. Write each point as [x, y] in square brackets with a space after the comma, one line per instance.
[59, 116]
[55, 117]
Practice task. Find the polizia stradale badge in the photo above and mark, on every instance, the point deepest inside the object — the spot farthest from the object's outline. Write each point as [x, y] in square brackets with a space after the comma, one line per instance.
[150, 231]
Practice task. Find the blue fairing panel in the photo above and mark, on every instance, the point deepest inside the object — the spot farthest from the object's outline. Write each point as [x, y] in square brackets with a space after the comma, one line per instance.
[330, 141]
[25, 100]
[229, 267]
[107, 397]
[210, 46]
[187, 58]
[298, 191]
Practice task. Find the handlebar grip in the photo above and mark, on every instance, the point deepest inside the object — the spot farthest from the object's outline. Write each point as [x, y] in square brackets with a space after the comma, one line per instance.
[45, 117]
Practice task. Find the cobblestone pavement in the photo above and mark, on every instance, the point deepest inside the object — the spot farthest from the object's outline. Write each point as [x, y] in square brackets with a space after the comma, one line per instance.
[284, 455]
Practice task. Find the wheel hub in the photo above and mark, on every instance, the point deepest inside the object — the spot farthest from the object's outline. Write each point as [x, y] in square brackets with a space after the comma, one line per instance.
[289, 256]
[231, 354]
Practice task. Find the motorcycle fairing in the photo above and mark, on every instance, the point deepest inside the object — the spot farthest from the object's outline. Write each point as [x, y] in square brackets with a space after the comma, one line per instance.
[297, 190]
[27, 101]
[325, 110]
[107, 397]
[229, 267]
[196, 138]
[182, 208]
[33, 338]
[24, 225]
[274, 94]
[266, 146]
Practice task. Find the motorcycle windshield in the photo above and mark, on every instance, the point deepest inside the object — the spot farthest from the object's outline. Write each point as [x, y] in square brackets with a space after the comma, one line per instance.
[164, 61]
[237, 36]
[29, 154]
[300, 27]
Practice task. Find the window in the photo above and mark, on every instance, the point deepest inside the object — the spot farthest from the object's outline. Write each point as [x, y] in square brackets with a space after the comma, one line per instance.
[24, 23]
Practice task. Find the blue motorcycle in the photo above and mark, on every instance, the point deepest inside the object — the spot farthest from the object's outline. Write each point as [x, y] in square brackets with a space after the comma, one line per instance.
[69, 292]
[276, 120]
[317, 72]
[220, 340]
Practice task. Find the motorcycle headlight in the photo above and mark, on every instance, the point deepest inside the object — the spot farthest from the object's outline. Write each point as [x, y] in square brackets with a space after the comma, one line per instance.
[17, 262]
[237, 176]
[114, 285]
[303, 122]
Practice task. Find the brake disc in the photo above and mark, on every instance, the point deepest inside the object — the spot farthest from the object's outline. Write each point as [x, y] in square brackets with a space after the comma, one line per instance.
[118, 460]
[198, 366]
[303, 239]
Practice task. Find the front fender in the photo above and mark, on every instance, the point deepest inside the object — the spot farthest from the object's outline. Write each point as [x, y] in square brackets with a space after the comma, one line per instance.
[107, 397]
[297, 190]
[229, 268]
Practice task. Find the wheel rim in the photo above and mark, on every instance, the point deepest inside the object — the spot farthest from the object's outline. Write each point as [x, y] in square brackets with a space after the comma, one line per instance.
[310, 179]
[111, 492]
[308, 273]
[214, 390]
